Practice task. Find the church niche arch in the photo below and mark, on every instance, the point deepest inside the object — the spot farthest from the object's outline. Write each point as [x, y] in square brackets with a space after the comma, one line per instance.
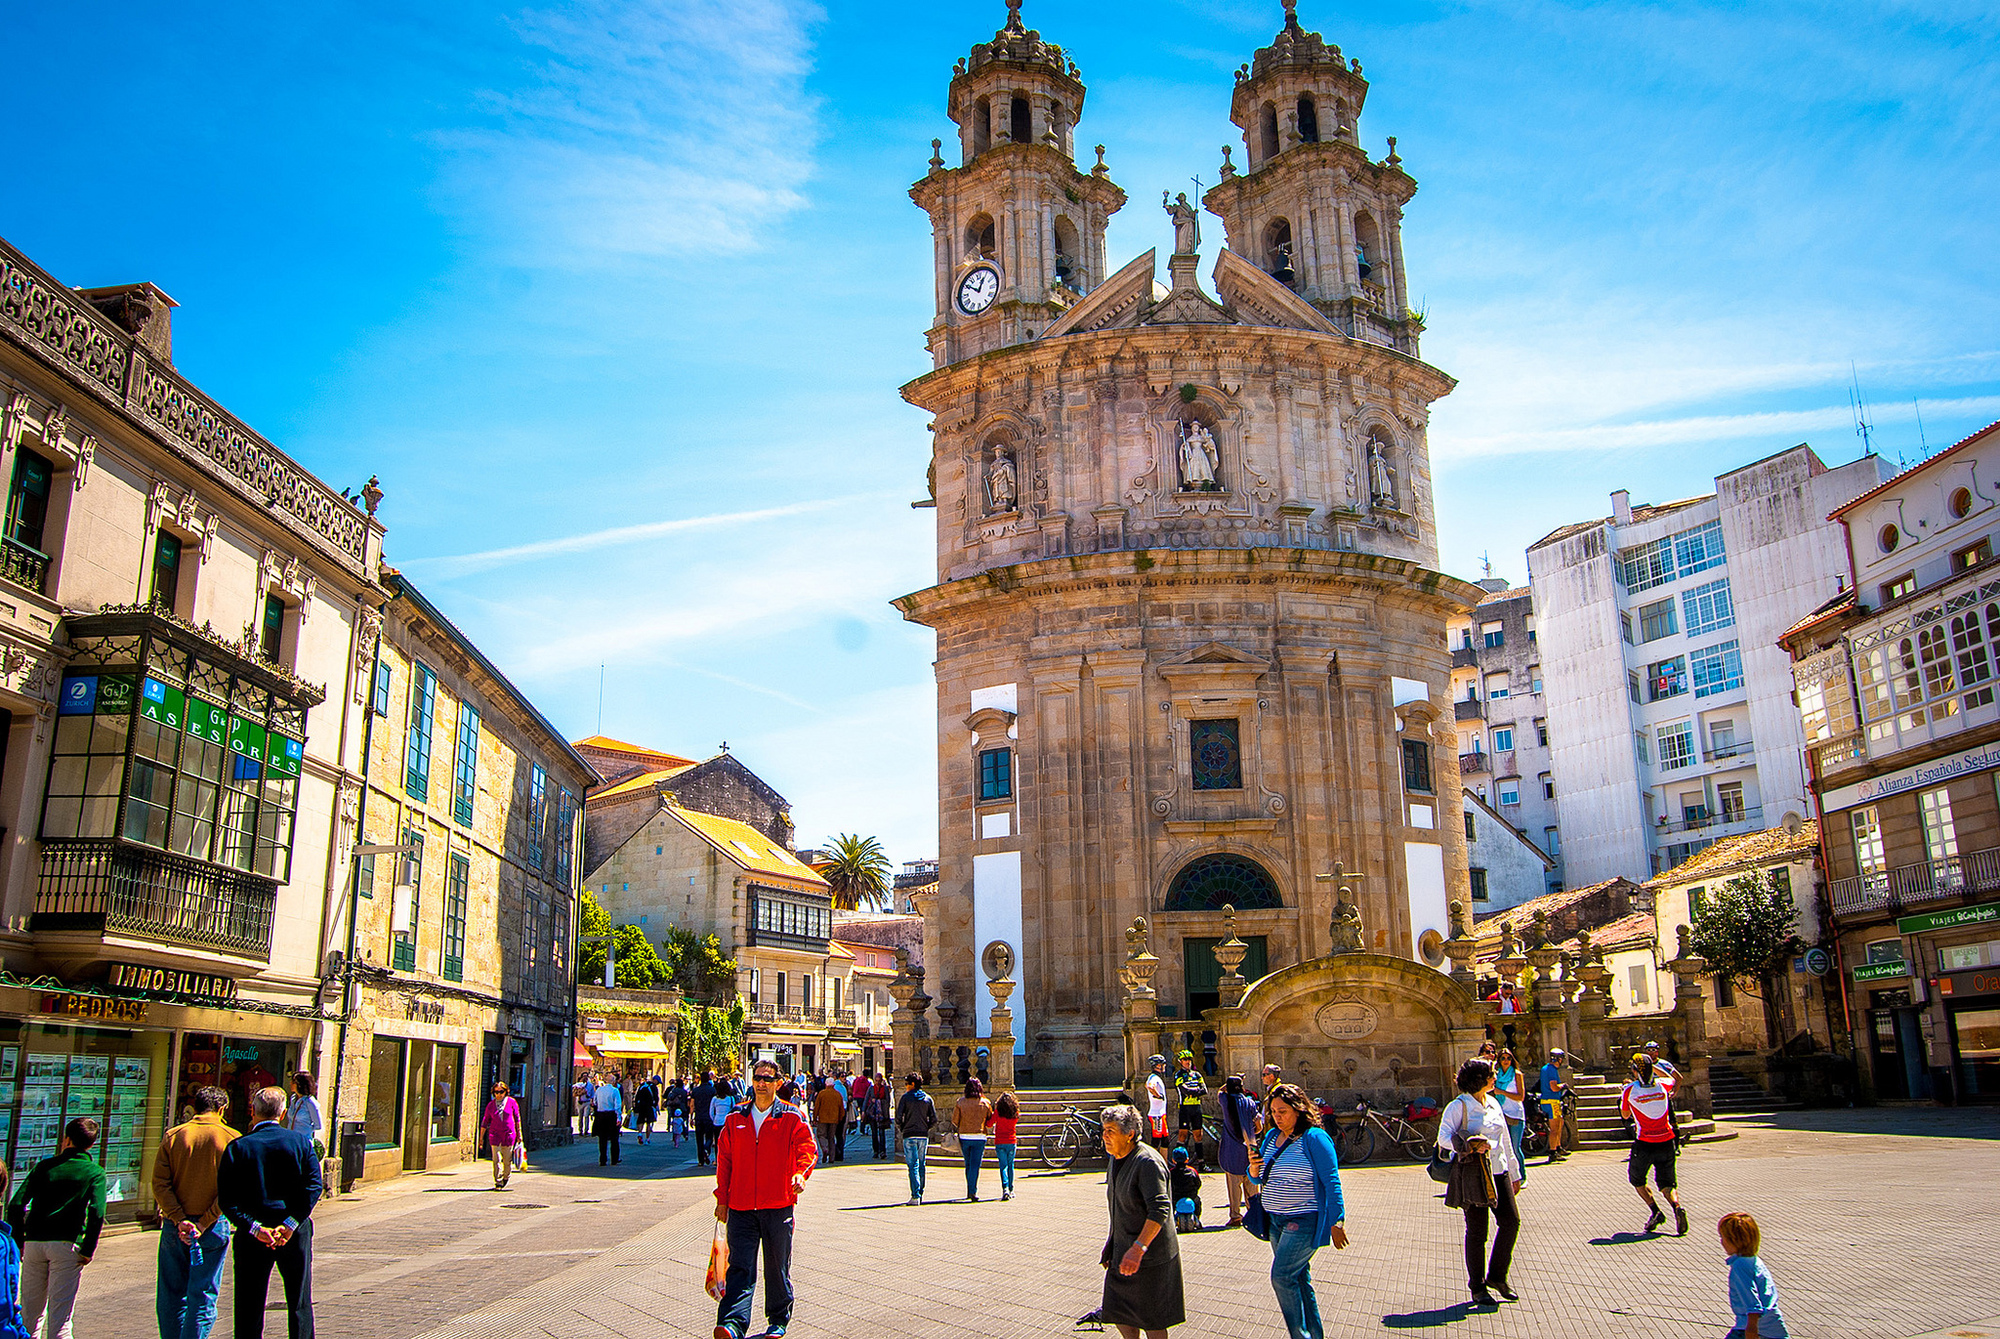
[1278, 251]
[999, 472]
[1211, 882]
[1192, 463]
[1308, 115]
[1068, 253]
[979, 237]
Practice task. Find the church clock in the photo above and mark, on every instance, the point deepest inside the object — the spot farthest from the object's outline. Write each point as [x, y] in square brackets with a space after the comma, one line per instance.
[977, 289]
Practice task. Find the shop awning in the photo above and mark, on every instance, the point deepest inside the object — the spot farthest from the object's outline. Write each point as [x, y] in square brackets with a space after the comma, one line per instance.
[632, 1046]
[580, 1054]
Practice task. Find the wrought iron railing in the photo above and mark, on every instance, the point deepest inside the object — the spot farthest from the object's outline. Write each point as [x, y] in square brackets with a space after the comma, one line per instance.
[1736, 750]
[1913, 885]
[1695, 822]
[113, 885]
[24, 566]
[788, 1013]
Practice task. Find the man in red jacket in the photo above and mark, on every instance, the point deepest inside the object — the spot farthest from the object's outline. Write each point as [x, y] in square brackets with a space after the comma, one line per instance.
[763, 1154]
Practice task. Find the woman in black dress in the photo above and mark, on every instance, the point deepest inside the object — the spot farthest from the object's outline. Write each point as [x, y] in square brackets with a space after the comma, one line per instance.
[1142, 1256]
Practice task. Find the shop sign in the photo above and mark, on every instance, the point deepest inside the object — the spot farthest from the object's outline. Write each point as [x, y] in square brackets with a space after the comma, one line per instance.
[1946, 920]
[162, 702]
[1881, 971]
[1979, 981]
[199, 987]
[95, 1006]
[1933, 773]
[206, 721]
[1817, 961]
[79, 695]
[246, 737]
[285, 756]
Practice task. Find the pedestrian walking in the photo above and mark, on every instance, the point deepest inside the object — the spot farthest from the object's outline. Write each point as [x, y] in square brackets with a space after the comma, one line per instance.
[1006, 1138]
[608, 1104]
[1142, 1253]
[827, 1108]
[1271, 1077]
[704, 1129]
[1298, 1179]
[759, 1175]
[916, 1117]
[194, 1236]
[677, 1109]
[1553, 1089]
[302, 1112]
[859, 1089]
[1192, 1090]
[580, 1101]
[1649, 1105]
[501, 1124]
[645, 1110]
[57, 1218]
[877, 1117]
[1752, 1294]
[720, 1107]
[1507, 1087]
[1484, 1180]
[1239, 1119]
[1661, 1065]
[1156, 1097]
[12, 1325]
[268, 1182]
[972, 1117]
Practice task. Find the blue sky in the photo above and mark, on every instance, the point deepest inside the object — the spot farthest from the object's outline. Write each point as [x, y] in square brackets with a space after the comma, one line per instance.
[616, 297]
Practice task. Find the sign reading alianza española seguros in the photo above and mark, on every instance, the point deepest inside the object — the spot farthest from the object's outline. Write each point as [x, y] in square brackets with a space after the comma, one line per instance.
[1930, 773]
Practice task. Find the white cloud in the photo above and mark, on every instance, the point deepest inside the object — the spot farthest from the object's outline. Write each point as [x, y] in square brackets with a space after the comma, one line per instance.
[1790, 425]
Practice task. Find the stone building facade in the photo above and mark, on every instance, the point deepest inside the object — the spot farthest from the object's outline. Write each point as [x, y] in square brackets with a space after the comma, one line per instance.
[462, 943]
[1190, 631]
[636, 780]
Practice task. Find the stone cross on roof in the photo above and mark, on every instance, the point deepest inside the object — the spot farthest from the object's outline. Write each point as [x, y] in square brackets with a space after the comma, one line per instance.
[1014, 17]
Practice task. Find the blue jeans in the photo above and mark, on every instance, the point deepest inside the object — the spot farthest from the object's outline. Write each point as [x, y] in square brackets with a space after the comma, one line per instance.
[974, 1153]
[1291, 1273]
[184, 1295]
[913, 1156]
[1003, 1154]
[1518, 1129]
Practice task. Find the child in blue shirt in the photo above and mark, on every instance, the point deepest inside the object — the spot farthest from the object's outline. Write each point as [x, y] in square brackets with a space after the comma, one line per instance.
[1752, 1294]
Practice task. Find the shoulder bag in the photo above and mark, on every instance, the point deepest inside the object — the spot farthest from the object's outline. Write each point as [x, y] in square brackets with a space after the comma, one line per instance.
[1255, 1221]
[1440, 1165]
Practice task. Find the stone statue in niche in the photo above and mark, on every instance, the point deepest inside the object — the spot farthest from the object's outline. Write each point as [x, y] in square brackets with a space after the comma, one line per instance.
[1199, 459]
[1345, 932]
[1187, 223]
[1381, 475]
[1002, 483]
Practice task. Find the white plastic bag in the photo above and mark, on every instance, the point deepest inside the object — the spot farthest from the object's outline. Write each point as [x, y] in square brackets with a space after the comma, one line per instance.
[718, 1262]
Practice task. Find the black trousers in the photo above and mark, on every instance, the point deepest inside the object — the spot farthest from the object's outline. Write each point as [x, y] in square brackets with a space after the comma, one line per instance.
[749, 1229]
[1479, 1270]
[253, 1283]
[605, 1123]
[878, 1130]
[704, 1141]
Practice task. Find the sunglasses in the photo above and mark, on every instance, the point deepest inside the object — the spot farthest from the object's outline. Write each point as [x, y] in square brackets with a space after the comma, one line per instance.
[763, 1078]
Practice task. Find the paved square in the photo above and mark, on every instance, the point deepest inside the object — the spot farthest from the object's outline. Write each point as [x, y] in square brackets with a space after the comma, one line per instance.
[1876, 1223]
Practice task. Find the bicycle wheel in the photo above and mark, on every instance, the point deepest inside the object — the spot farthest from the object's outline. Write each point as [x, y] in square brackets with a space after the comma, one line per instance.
[1060, 1146]
[1354, 1144]
[1412, 1141]
[1211, 1133]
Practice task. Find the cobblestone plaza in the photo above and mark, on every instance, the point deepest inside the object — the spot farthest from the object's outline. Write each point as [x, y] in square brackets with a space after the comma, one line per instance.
[1876, 1223]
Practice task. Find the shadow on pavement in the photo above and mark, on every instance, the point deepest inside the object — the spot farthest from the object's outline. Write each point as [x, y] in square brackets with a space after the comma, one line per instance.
[1923, 1122]
[1444, 1315]
[1624, 1238]
[867, 1208]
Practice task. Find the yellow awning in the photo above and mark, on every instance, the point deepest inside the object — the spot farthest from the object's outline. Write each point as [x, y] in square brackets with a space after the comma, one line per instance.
[632, 1046]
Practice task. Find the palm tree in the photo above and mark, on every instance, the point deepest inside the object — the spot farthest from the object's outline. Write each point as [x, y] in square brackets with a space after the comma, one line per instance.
[858, 871]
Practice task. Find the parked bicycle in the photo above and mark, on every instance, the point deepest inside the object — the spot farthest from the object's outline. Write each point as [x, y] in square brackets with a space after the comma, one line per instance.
[1076, 1135]
[1356, 1138]
[1535, 1139]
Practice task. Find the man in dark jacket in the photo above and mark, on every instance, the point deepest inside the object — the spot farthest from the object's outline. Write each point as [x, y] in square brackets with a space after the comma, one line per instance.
[916, 1114]
[56, 1218]
[704, 1128]
[267, 1186]
[763, 1154]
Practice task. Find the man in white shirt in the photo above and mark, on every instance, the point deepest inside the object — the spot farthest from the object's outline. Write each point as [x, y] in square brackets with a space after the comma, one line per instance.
[1662, 1067]
[608, 1108]
[1156, 1098]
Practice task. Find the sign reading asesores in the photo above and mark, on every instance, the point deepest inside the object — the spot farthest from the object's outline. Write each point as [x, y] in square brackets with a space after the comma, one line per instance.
[162, 702]
[206, 721]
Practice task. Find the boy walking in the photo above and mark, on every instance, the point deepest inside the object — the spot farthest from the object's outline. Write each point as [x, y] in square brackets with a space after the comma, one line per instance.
[57, 1218]
[916, 1114]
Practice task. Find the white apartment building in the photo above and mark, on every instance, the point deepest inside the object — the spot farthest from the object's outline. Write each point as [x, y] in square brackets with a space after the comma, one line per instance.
[1671, 722]
[1503, 728]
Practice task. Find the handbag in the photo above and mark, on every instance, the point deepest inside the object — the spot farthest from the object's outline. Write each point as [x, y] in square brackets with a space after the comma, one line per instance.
[1255, 1221]
[1440, 1166]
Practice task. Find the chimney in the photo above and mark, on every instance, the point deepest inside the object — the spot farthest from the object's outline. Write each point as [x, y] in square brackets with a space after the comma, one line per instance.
[1621, 507]
[1493, 585]
[141, 311]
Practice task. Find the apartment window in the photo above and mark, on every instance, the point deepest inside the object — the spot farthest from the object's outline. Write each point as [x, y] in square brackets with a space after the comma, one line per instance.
[1625, 626]
[779, 998]
[465, 766]
[1417, 766]
[27, 518]
[1656, 621]
[271, 630]
[407, 904]
[1216, 755]
[1972, 555]
[1503, 739]
[1676, 745]
[1548, 786]
[1903, 585]
[1534, 678]
[1719, 668]
[1667, 678]
[1725, 992]
[1695, 896]
[1729, 801]
[417, 751]
[1639, 743]
[806, 991]
[996, 774]
[1634, 686]
[1635, 976]
[380, 703]
[1494, 634]
[566, 833]
[1867, 832]
[1647, 566]
[1940, 835]
[1552, 842]
[1496, 686]
[1471, 833]
[1479, 893]
[538, 800]
[166, 591]
[1699, 549]
[1707, 608]
[756, 979]
[1542, 734]
[457, 878]
[1510, 792]
[364, 877]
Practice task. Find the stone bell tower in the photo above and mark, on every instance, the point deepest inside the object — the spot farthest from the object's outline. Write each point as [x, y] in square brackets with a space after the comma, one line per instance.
[1312, 210]
[1017, 230]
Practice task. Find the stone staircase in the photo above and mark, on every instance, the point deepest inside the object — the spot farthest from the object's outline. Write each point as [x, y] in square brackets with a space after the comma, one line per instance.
[1734, 1093]
[1043, 1107]
[1598, 1125]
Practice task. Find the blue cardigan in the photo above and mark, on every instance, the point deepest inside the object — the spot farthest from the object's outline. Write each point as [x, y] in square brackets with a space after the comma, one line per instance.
[1326, 1179]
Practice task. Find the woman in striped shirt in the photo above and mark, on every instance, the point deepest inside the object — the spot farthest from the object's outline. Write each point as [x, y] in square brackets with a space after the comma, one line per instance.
[1298, 1180]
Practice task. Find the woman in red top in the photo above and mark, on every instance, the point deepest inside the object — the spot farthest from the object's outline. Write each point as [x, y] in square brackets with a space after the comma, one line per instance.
[1006, 1116]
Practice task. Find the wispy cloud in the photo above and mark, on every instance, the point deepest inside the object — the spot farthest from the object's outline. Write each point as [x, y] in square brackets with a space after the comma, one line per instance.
[1709, 428]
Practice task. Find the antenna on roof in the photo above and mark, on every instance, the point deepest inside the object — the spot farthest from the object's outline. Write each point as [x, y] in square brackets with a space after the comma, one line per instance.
[600, 697]
[1922, 443]
[1862, 427]
[1486, 566]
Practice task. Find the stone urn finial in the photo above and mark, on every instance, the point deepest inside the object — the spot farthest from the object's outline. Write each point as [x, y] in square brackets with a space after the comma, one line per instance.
[1140, 964]
[1229, 956]
[1538, 928]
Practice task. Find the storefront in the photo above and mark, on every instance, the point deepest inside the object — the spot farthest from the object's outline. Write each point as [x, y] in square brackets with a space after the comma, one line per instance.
[1972, 1004]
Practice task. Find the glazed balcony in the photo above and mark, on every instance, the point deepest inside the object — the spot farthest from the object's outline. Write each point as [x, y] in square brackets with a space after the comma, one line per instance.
[119, 890]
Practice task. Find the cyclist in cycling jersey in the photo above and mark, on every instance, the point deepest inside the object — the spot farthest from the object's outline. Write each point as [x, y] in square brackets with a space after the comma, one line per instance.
[1553, 1088]
[1661, 1065]
[1648, 1104]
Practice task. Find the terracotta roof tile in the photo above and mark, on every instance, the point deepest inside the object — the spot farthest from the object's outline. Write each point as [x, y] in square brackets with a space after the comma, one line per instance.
[1519, 916]
[1639, 925]
[637, 752]
[1769, 847]
[642, 781]
[743, 845]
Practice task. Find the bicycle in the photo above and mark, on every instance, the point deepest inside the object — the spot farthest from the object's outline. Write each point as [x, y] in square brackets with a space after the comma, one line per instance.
[1076, 1135]
[1356, 1140]
[1535, 1139]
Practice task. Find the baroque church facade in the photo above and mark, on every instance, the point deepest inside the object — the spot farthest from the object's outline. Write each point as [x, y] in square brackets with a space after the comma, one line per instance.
[1190, 627]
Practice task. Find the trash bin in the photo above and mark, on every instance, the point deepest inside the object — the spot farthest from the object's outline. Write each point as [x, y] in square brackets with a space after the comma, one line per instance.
[353, 1153]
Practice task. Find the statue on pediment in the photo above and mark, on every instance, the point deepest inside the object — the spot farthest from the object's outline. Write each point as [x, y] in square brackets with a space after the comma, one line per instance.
[1002, 482]
[1187, 223]
[1199, 459]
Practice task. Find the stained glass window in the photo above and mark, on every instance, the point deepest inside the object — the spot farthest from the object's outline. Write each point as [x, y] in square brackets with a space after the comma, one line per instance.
[1212, 882]
[1216, 755]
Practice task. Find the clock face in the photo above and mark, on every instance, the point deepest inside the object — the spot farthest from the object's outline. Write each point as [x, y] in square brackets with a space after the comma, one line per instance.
[977, 290]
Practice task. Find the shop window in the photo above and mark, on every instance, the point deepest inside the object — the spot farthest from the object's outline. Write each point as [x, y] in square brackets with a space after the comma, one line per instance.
[417, 748]
[457, 877]
[996, 774]
[1216, 755]
[465, 765]
[1883, 950]
[448, 1091]
[385, 1092]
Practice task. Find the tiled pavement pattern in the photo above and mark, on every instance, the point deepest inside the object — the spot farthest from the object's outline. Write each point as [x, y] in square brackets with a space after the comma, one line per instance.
[1877, 1223]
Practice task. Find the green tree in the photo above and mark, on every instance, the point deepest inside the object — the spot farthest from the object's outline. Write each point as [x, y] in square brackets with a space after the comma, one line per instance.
[1744, 927]
[638, 965]
[698, 968]
[858, 871]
